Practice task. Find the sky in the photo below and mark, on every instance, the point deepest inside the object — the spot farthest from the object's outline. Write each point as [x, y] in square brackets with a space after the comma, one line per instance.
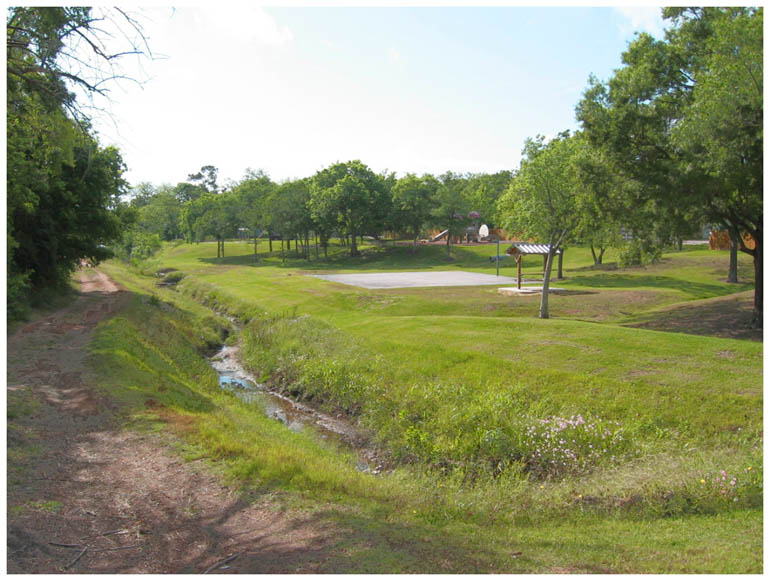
[291, 90]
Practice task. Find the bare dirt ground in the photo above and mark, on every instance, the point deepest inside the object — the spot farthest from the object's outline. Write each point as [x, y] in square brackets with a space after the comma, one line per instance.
[85, 496]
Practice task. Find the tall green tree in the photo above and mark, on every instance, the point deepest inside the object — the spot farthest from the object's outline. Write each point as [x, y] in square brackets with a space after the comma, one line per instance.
[541, 201]
[352, 197]
[450, 207]
[483, 191]
[683, 118]
[161, 214]
[62, 186]
[412, 201]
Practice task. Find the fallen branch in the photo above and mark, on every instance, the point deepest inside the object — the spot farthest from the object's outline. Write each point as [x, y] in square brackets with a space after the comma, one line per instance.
[115, 532]
[83, 552]
[66, 546]
[117, 548]
[222, 563]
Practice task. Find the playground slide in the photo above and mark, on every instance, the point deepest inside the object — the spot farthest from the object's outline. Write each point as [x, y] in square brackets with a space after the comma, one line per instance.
[439, 236]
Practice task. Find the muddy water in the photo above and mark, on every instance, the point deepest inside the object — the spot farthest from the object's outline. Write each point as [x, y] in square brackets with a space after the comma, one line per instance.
[296, 416]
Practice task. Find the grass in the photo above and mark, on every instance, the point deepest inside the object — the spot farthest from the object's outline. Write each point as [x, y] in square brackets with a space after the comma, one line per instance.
[451, 380]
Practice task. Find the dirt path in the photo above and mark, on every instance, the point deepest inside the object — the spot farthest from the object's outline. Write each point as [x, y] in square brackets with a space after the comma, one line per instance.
[85, 496]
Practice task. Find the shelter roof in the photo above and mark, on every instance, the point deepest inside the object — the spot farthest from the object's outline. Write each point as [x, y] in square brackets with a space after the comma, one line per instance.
[529, 248]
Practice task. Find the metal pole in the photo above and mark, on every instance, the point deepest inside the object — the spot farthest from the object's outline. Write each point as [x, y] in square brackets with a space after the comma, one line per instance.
[497, 258]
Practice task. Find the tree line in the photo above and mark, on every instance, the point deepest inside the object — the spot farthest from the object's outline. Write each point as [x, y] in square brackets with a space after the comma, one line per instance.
[672, 141]
[347, 199]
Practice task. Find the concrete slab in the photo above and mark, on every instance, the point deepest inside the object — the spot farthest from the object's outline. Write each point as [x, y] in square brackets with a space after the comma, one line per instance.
[529, 290]
[385, 280]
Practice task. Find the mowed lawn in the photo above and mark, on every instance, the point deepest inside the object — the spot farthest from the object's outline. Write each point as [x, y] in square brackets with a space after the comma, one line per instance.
[458, 364]
[582, 360]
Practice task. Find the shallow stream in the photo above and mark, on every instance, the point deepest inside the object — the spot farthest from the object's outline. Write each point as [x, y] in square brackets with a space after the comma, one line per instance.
[296, 416]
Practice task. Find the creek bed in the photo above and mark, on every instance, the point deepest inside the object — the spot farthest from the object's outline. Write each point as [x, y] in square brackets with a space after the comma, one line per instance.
[295, 415]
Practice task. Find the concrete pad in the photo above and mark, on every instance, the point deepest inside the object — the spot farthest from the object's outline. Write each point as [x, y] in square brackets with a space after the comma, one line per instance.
[385, 280]
[529, 290]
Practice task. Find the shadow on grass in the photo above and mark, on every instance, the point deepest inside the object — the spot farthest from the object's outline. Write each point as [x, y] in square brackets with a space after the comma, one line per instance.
[385, 257]
[728, 317]
[626, 281]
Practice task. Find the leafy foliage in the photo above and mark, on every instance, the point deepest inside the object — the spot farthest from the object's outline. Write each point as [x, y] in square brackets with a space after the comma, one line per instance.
[63, 187]
[682, 119]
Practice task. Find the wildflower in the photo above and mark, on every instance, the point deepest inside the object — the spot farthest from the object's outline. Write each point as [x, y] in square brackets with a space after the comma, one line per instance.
[702, 481]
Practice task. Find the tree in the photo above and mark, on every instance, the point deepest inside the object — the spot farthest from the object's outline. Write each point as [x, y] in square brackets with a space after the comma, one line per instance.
[214, 215]
[450, 207]
[350, 196]
[206, 178]
[683, 118]
[541, 201]
[483, 191]
[162, 215]
[252, 193]
[412, 199]
[601, 200]
[289, 213]
[62, 186]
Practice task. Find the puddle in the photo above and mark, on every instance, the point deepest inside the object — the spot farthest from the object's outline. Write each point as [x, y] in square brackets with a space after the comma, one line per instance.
[296, 416]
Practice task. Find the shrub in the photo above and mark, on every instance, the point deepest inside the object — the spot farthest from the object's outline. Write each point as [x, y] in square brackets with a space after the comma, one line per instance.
[638, 252]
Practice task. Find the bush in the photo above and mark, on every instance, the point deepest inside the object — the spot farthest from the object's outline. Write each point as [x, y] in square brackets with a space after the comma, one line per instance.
[638, 252]
[137, 245]
[18, 290]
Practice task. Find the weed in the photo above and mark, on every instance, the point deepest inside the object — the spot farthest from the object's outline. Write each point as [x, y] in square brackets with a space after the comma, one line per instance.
[558, 446]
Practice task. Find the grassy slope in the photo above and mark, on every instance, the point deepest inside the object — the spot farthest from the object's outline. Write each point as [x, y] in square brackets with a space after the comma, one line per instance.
[477, 337]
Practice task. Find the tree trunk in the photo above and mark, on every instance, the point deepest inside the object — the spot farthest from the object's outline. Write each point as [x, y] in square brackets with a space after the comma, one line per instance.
[546, 283]
[756, 320]
[735, 241]
[559, 274]
[679, 243]
[270, 241]
[448, 240]
[597, 257]
[353, 245]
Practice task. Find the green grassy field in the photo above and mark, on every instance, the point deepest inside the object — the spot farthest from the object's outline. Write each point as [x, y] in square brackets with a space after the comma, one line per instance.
[574, 444]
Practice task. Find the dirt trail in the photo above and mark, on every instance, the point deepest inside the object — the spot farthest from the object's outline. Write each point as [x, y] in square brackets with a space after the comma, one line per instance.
[85, 496]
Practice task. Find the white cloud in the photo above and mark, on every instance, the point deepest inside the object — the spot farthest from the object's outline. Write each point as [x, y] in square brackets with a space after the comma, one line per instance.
[641, 19]
[395, 56]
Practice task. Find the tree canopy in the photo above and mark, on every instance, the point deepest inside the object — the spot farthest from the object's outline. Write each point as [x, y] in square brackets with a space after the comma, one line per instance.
[63, 186]
[683, 119]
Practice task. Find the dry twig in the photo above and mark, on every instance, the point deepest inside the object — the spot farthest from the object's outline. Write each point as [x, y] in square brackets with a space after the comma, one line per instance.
[83, 552]
[222, 563]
